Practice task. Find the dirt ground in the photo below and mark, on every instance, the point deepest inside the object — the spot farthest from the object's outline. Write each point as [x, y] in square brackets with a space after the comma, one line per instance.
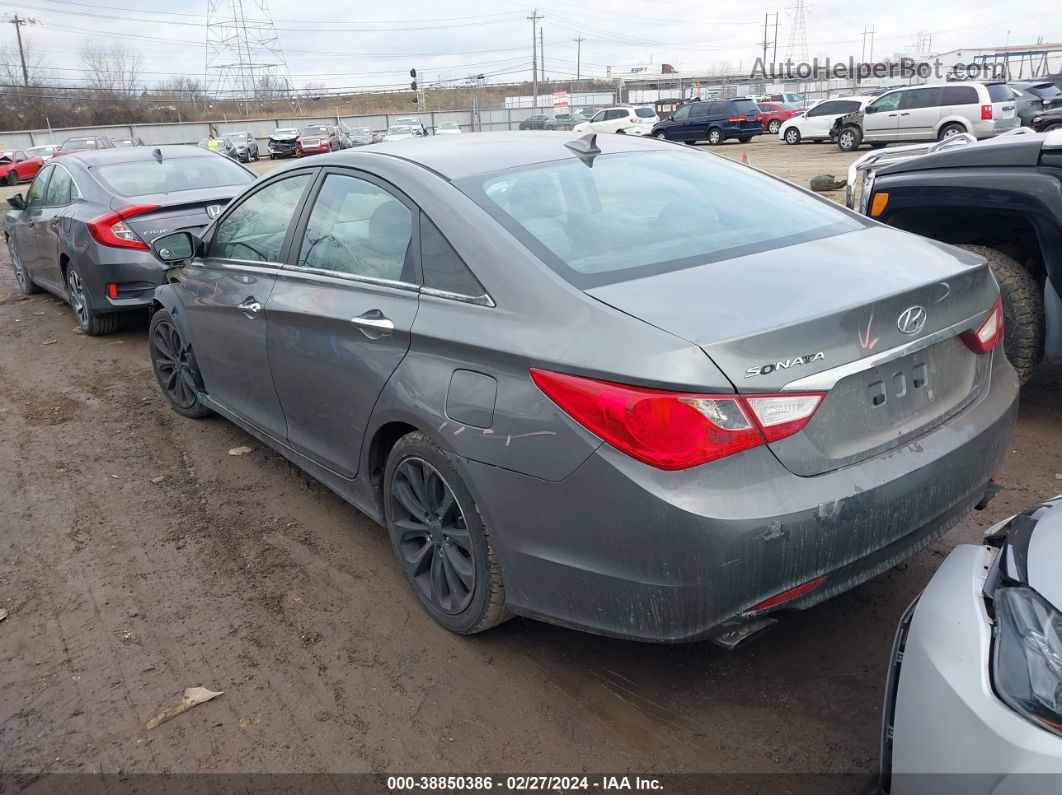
[138, 557]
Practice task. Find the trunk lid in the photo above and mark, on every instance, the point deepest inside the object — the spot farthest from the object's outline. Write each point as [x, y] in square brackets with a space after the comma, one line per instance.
[184, 210]
[825, 315]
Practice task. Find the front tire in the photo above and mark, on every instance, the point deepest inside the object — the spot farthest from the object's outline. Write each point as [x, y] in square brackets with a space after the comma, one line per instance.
[660, 136]
[175, 367]
[1023, 311]
[792, 136]
[25, 282]
[849, 139]
[440, 539]
[12, 178]
[92, 322]
[715, 136]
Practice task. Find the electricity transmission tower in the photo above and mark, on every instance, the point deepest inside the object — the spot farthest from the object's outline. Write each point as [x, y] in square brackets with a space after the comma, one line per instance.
[244, 59]
[797, 51]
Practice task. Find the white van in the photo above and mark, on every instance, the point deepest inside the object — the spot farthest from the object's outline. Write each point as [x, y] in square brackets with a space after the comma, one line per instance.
[930, 112]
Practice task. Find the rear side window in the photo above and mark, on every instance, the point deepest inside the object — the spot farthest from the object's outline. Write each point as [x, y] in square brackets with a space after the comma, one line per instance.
[699, 109]
[960, 95]
[921, 98]
[644, 113]
[142, 177]
[443, 267]
[357, 227]
[1000, 92]
[744, 107]
[255, 229]
[847, 106]
[691, 210]
[826, 108]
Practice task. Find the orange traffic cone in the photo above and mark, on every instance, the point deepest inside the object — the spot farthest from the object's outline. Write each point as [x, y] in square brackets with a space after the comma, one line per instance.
[745, 158]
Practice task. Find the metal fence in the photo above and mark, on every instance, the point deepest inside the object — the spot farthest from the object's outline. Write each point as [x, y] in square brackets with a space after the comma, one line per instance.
[482, 119]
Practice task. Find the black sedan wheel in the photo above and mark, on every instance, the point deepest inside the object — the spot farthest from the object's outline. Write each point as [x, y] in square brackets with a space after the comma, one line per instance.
[175, 366]
[26, 285]
[91, 322]
[440, 539]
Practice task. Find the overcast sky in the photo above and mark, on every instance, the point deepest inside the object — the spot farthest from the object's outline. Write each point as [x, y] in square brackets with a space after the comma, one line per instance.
[343, 43]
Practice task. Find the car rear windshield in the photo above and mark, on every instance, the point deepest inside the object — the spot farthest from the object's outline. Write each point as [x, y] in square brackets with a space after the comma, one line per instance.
[644, 113]
[1047, 90]
[999, 92]
[637, 214]
[744, 106]
[143, 177]
[78, 145]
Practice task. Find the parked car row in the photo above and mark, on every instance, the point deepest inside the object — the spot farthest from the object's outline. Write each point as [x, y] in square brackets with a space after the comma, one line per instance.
[666, 420]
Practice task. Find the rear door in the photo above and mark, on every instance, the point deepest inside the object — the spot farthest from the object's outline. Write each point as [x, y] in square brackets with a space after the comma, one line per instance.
[225, 293]
[341, 312]
[881, 119]
[920, 112]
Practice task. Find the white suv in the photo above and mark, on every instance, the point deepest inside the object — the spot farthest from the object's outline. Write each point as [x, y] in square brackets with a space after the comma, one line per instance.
[815, 123]
[627, 120]
[930, 112]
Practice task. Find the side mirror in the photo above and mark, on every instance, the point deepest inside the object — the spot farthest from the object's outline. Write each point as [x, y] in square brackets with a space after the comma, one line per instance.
[870, 109]
[17, 201]
[176, 246]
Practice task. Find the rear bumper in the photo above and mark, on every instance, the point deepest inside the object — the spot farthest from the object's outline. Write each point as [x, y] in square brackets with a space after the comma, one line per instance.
[949, 731]
[619, 548]
[737, 132]
[136, 279]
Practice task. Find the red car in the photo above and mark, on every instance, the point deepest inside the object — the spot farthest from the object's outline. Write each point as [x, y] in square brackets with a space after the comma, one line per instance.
[83, 145]
[774, 113]
[17, 166]
[316, 139]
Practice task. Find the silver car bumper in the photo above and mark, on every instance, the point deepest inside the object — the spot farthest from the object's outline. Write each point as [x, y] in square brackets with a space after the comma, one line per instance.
[945, 730]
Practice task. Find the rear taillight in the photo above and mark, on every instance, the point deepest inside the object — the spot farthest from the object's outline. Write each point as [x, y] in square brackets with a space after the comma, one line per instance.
[989, 333]
[986, 113]
[111, 229]
[738, 118]
[676, 430]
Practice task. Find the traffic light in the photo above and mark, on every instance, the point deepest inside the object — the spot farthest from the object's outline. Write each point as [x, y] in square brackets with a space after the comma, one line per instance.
[413, 85]
[413, 73]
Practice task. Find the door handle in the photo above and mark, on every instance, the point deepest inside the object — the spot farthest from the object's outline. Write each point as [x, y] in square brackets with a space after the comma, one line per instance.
[905, 114]
[892, 114]
[374, 324]
[250, 307]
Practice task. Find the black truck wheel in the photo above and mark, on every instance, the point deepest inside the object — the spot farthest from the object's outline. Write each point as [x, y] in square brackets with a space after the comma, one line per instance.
[1023, 310]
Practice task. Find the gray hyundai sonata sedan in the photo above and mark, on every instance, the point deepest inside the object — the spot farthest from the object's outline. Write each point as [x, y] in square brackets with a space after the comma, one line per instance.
[606, 382]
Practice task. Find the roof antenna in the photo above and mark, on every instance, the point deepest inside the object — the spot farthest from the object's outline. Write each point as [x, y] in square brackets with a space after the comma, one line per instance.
[585, 147]
[157, 154]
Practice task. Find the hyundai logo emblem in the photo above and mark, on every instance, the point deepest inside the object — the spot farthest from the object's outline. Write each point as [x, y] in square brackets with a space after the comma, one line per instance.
[912, 320]
[213, 210]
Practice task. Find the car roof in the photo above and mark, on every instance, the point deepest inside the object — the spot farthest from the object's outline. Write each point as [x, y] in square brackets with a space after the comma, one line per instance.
[100, 157]
[454, 157]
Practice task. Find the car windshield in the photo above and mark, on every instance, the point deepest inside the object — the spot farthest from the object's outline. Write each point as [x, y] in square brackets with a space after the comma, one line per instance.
[314, 131]
[361, 131]
[142, 177]
[240, 138]
[78, 144]
[286, 132]
[690, 210]
[399, 129]
[999, 92]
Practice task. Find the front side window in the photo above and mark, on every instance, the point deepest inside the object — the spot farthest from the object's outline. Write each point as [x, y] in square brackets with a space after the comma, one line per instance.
[599, 116]
[887, 102]
[255, 230]
[357, 227]
[681, 113]
[61, 190]
[691, 210]
[35, 194]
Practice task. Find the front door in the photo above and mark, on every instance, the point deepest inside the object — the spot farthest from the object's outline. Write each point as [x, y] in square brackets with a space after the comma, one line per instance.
[340, 315]
[225, 295]
[60, 193]
[25, 230]
[881, 118]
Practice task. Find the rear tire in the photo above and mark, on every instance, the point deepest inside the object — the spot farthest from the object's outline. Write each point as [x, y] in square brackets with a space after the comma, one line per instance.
[88, 318]
[435, 523]
[949, 130]
[1023, 311]
[715, 136]
[773, 126]
[175, 367]
[849, 139]
[792, 136]
[690, 143]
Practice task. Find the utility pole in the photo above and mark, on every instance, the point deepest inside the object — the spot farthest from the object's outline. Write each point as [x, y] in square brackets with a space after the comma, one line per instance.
[578, 57]
[769, 42]
[868, 30]
[534, 58]
[542, 53]
[18, 22]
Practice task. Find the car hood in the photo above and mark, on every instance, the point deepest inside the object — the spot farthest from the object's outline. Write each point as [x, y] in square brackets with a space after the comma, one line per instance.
[1031, 549]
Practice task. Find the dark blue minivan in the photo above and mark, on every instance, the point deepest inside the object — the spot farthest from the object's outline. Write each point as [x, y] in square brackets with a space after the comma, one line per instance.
[712, 120]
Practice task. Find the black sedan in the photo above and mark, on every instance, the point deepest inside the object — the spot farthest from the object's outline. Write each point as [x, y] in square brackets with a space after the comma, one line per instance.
[538, 122]
[1048, 120]
[84, 227]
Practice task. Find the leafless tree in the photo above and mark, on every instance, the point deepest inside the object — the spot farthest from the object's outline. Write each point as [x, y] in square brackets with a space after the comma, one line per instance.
[112, 67]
